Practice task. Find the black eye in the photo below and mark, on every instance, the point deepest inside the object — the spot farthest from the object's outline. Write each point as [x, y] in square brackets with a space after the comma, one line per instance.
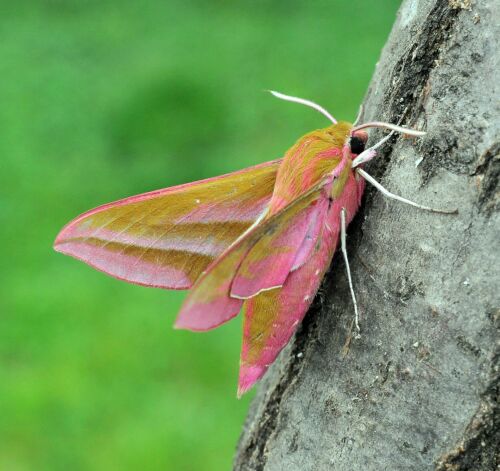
[357, 145]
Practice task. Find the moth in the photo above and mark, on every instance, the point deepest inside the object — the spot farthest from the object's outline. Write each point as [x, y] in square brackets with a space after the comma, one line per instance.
[258, 240]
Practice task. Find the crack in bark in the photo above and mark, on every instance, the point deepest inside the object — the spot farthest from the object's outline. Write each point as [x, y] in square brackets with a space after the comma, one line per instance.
[478, 449]
[487, 175]
[410, 79]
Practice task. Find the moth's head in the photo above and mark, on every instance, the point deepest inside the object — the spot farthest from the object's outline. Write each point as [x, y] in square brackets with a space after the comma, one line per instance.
[342, 136]
[357, 142]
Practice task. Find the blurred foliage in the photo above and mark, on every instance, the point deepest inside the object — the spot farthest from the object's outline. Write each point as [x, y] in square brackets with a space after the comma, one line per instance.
[105, 99]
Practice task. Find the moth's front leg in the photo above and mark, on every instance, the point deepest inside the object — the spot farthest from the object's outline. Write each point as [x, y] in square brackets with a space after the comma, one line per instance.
[390, 195]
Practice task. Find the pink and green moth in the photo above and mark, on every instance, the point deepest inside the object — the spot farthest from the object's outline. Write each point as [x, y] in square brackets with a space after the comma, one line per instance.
[259, 239]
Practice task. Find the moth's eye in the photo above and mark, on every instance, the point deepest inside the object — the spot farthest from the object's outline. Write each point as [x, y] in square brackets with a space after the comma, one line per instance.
[357, 145]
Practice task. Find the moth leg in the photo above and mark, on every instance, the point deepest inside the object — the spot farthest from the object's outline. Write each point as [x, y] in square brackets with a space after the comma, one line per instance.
[390, 195]
[344, 253]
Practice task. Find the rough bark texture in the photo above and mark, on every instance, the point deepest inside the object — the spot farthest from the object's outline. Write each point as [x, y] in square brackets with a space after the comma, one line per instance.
[419, 390]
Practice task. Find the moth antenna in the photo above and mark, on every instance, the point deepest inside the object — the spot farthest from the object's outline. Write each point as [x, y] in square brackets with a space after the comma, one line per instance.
[302, 101]
[358, 117]
[393, 127]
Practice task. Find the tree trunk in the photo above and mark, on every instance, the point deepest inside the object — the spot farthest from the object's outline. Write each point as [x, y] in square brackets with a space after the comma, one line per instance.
[419, 389]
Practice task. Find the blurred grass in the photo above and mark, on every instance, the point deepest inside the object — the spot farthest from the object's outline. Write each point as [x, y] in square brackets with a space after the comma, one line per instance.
[104, 99]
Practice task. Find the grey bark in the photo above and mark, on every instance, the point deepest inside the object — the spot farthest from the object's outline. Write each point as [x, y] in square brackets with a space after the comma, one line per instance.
[419, 390]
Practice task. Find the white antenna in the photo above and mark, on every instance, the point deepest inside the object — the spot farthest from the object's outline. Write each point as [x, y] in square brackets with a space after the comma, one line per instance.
[393, 127]
[302, 101]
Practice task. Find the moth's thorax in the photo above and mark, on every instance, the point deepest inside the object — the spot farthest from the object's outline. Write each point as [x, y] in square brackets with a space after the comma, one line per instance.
[313, 156]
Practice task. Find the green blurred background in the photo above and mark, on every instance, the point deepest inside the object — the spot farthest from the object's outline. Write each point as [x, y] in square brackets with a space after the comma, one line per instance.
[105, 99]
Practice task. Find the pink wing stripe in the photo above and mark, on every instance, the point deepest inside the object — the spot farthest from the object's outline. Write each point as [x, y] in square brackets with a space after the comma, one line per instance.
[315, 227]
[268, 263]
[145, 273]
[267, 267]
